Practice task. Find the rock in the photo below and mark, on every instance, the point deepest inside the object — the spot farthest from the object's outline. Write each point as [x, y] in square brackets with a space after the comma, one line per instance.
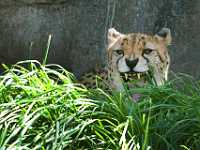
[79, 28]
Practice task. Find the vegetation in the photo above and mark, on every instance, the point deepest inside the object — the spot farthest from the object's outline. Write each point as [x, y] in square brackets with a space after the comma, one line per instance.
[41, 107]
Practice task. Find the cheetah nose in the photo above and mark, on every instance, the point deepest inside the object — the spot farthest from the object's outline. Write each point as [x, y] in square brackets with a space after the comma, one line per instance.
[131, 63]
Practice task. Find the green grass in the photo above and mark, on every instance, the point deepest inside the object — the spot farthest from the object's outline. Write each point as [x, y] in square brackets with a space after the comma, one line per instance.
[41, 107]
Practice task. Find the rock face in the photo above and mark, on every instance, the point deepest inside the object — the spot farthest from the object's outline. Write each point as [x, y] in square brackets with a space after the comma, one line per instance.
[79, 28]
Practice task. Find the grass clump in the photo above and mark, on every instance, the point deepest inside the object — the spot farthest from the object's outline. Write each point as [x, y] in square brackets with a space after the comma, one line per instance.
[41, 107]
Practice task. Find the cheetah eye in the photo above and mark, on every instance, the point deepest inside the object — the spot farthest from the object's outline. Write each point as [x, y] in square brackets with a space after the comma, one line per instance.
[119, 51]
[147, 51]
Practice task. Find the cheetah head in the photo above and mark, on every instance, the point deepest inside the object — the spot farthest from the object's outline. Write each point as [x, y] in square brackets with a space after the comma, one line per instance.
[139, 53]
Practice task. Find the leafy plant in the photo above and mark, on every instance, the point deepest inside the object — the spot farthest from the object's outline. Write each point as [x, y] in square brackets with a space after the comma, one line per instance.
[43, 107]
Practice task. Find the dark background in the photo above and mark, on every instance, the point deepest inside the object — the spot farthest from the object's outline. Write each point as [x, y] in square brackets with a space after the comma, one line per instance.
[79, 28]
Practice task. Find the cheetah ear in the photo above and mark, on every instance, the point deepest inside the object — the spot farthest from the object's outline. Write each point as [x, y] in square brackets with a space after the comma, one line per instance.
[114, 39]
[165, 35]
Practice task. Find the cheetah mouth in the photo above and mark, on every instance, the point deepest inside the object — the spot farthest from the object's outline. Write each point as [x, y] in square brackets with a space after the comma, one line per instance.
[128, 76]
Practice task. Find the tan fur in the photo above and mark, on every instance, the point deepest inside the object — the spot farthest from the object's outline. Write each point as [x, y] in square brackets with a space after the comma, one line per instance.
[135, 57]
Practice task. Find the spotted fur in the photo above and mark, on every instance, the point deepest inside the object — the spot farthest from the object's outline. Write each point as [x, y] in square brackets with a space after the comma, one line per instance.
[134, 53]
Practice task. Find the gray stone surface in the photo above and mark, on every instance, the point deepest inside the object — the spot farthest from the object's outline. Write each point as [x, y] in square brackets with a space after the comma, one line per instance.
[79, 27]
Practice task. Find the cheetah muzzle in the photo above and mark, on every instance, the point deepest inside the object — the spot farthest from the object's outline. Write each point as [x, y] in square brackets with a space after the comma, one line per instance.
[133, 56]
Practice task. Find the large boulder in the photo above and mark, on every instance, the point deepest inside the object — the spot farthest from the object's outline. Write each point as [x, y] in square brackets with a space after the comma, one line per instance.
[79, 29]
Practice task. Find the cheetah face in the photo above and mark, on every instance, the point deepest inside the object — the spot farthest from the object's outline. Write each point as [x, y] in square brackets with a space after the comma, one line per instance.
[137, 53]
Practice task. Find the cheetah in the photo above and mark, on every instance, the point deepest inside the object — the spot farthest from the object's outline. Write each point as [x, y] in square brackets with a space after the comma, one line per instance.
[133, 55]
